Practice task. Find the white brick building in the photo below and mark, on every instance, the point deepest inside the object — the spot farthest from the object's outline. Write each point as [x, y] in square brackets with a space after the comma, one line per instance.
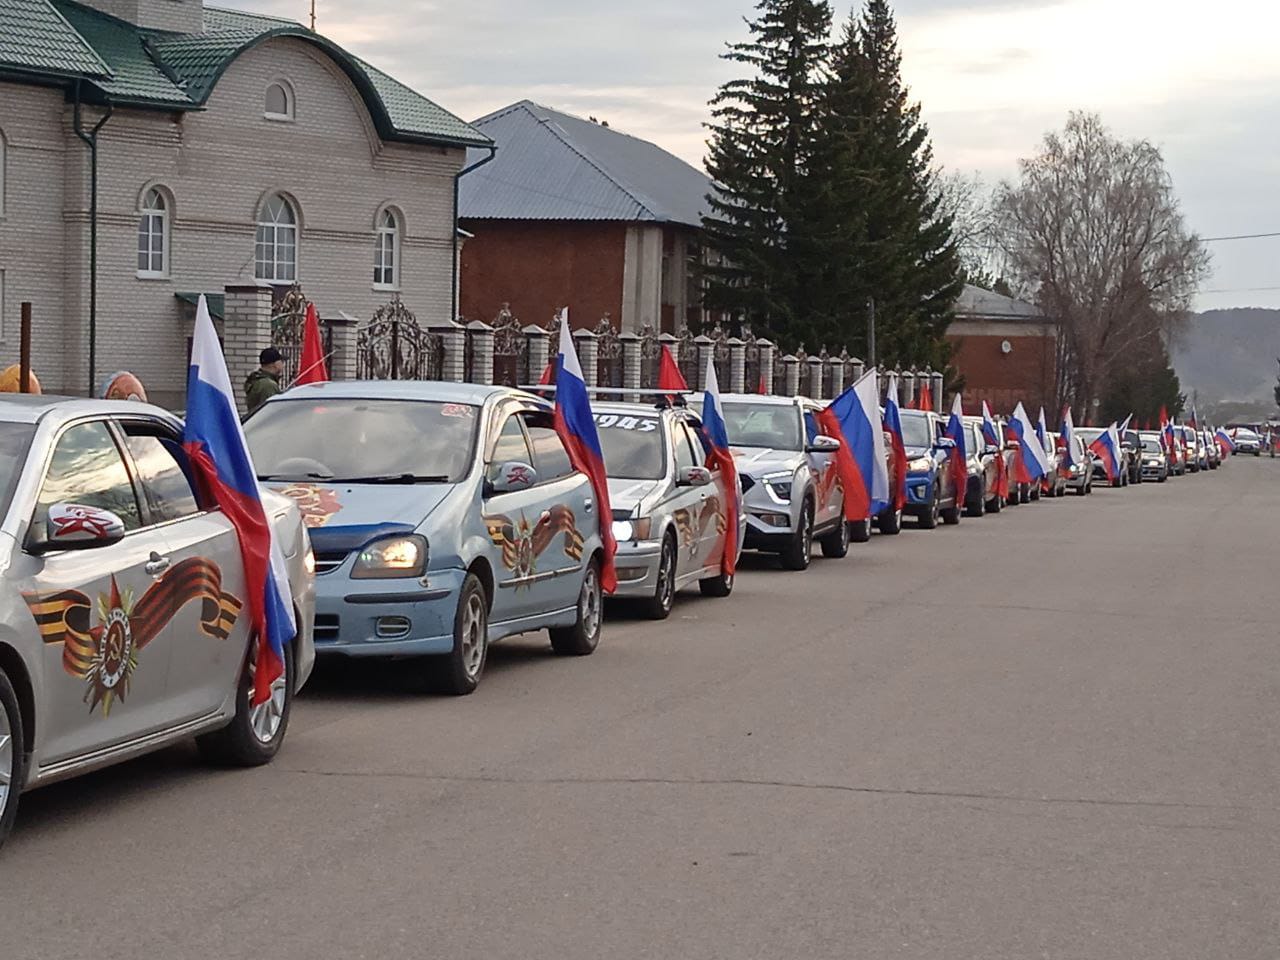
[233, 148]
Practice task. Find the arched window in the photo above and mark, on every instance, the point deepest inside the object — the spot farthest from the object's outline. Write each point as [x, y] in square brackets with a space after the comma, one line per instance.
[275, 249]
[278, 104]
[386, 251]
[153, 235]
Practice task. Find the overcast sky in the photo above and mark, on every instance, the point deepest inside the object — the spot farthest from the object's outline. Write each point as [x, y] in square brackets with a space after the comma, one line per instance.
[1200, 80]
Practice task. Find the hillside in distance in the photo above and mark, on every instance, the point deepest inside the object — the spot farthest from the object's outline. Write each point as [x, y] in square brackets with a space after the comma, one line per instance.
[1228, 359]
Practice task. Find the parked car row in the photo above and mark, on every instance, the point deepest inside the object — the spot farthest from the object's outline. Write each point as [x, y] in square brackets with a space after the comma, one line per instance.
[421, 521]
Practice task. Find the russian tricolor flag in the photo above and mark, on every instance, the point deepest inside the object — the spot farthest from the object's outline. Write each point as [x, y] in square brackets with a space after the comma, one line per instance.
[1224, 441]
[715, 437]
[958, 455]
[219, 456]
[1107, 448]
[854, 419]
[1068, 433]
[898, 446]
[1031, 461]
[991, 434]
[577, 429]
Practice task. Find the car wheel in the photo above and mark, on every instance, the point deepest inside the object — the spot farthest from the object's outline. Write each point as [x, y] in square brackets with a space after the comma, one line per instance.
[658, 607]
[995, 504]
[254, 735]
[12, 756]
[836, 543]
[1033, 492]
[978, 508]
[952, 516]
[890, 522]
[720, 586]
[583, 637]
[800, 550]
[930, 519]
[1164, 476]
[458, 672]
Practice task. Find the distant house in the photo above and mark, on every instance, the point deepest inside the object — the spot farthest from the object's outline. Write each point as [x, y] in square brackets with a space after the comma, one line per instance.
[573, 213]
[232, 148]
[1005, 351]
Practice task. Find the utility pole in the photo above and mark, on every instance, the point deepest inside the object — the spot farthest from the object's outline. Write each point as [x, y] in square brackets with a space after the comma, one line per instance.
[313, 16]
[871, 331]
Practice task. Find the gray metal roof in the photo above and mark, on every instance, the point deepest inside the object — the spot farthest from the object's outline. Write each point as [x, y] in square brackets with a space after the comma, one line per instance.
[974, 303]
[555, 166]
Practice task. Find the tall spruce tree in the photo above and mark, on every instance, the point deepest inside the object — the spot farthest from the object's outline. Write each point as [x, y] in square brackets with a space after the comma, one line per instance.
[894, 239]
[764, 138]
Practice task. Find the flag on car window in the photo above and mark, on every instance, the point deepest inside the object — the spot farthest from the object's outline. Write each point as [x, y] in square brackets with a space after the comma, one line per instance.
[577, 429]
[958, 455]
[715, 437]
[853, 418]
[219, 456]
[1225, 443]
[897, 445]
[1107, 449]
[1030, 459]
[1068, 432]
[991, 433]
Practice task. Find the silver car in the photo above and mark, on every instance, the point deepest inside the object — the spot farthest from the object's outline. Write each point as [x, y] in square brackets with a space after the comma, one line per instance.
[791, 491]
[669, 508]
[122, 620]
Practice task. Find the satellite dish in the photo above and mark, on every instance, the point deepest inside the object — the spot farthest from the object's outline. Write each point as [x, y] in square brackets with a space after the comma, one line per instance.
[1006, 346]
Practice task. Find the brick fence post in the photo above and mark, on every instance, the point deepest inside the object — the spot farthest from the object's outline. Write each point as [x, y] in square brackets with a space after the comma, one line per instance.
[766, 349]
[453, 336]
[791, 375]
[585, 341]
[630, 360]
[706, 348]
[815, 377]
[246, 332]
[537, 348]
[481, 335]
[737, 365]
[344, 362]
[837, 376]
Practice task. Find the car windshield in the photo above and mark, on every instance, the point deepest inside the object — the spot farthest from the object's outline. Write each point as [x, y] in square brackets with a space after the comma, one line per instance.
[916, 430]
[632, 446]
[772, 425]
[15, 438]
[1151, 446]
[1089, 434]
[358, 440]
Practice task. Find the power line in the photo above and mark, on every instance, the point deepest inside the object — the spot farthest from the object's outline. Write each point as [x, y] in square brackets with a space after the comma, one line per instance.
[1240, 290]
[1242, 236]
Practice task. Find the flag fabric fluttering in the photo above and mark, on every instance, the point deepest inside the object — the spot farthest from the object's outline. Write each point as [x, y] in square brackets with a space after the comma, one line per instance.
[924, 398]
[1192, 421]
[1224, 441]
[219, 457]
[311, 365]
[1068, 432]
[1167, 438]
[1107, 449]
[670, 379]
[548, 374]
[897, 445]
[958, 455]
[1042, 434]
[715, 438]
[854, 419]
[760, 388]
[577, 430]
[991, 433]
[1030, 459]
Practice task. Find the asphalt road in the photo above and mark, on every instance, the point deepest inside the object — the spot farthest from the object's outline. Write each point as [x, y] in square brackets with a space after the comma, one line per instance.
[1049, 733]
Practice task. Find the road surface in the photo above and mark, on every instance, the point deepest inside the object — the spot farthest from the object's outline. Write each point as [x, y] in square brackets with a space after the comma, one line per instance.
[1049, 733]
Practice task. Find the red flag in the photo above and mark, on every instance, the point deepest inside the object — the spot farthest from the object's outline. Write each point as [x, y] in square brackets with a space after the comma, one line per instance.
[924, 401]
[311, 366]
[761, 390]
[669, 376]
[548, 375]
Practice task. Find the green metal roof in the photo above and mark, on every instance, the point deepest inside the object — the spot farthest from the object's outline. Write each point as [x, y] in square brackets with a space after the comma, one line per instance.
[35, 37]
[150, 68]
[216, 302]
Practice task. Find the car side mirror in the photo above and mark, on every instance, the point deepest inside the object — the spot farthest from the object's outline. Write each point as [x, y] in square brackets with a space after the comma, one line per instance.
[822, 444]
[513, 475]
[990, 450]
[945, 443]
[73, 526]
[693, 477]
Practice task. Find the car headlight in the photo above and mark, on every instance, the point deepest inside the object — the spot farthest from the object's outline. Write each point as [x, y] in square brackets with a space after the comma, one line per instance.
[632, 529]
[920, 464]
[390, 557]
[779, 485]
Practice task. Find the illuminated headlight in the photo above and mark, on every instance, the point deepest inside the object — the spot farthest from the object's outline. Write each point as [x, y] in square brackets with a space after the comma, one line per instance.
[631, 529]
[920, 464]
[309, 560]
[779, 485]
[1075, 469]
[400, 556]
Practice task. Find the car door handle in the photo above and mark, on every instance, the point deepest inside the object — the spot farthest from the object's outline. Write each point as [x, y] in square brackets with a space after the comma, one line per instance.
[588, 505]
[156, 565]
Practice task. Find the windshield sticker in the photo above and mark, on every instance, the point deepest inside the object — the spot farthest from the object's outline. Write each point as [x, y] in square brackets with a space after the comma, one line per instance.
[457, 410]
[106, 656]
[619, 422]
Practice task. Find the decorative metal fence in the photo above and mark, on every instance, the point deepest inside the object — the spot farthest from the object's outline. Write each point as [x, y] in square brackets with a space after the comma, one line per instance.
[393, 346]
[288, 320]
[609, 370]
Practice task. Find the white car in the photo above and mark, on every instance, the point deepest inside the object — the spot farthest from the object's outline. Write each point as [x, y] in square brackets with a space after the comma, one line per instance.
[123, 625]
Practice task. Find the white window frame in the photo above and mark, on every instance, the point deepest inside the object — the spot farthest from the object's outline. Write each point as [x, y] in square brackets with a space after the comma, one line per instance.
[2, 315]
[4, 159]
[290, 102]
[272, 235]
[165, 214]
[381, 236]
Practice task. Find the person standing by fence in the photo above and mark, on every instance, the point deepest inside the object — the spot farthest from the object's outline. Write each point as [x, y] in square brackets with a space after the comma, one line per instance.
[264, 383]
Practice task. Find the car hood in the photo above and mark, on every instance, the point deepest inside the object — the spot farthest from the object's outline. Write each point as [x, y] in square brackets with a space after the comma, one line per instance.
[329, 506]
[756, 461]
[625, 493]
[914, 453]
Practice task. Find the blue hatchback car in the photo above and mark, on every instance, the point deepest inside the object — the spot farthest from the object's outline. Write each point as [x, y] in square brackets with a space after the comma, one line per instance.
[443, 517]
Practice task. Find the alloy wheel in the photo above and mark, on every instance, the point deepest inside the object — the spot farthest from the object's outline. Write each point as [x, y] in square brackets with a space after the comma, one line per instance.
[667, 575]
[475, 634]
[589, 602]
[7, 759]
[266, 717]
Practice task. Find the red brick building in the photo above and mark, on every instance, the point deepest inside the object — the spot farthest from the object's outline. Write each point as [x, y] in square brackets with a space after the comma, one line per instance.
[1005, 351]
[572, 213]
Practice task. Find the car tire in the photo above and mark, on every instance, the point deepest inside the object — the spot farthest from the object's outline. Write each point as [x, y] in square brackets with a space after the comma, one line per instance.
[835, 544]
[582, 638]
[930, 520]
[13, 758]
[952, 516]
[799, 551]
[1033, 492]
[978, 508]
[254, 735]
[458, 672]
[1163, 477]
[995, 504]
[720, 586]
[890, 522]
[658, 607]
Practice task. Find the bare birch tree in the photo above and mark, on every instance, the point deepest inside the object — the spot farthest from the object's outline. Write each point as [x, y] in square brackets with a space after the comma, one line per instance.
[1093, 229]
